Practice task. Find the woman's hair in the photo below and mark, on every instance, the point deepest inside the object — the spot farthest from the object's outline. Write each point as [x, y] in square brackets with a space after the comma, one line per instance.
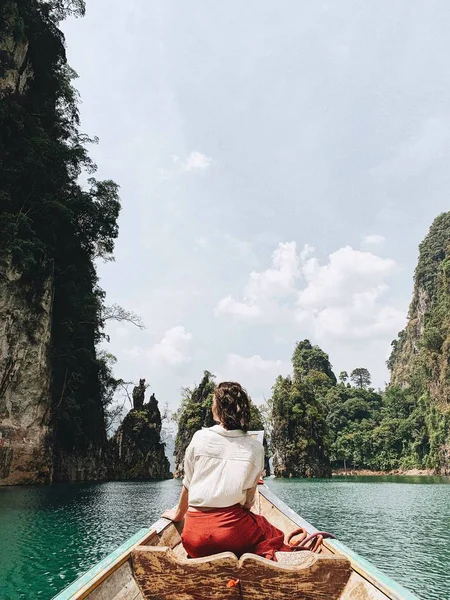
[232, 405]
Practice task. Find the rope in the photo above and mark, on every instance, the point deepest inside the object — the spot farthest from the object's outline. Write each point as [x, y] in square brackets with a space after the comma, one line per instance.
[312, 542]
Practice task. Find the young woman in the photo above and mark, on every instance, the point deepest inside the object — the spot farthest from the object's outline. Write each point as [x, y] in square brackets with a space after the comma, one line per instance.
[222, 466]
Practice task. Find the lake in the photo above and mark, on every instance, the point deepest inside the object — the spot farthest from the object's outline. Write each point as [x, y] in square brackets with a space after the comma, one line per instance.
[51, 534]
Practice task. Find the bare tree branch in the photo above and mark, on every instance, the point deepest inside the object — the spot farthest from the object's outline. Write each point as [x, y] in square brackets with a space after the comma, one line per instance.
[117, 313]
[125, 387]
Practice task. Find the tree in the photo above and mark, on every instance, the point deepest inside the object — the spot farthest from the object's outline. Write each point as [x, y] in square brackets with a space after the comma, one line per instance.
[307, 358]
[361, 378]
[343, 377]
[117, 313]
[299, 439]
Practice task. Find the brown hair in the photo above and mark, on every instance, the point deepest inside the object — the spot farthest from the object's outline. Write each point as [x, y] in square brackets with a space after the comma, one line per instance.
[233, 405]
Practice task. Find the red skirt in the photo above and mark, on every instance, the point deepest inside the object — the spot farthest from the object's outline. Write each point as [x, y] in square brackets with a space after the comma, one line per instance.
[231, 529]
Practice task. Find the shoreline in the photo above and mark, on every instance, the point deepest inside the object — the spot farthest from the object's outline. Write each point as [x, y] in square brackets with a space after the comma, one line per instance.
[408, 472]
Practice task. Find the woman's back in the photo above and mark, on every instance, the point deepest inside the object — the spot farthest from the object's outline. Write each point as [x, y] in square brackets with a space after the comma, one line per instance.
[221, 466]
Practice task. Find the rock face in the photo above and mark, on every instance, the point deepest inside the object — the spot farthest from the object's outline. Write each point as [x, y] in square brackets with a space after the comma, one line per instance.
[24, 381]
[136, 451]
[299, 432]
[52, 424]
[24, 336]
[420, 356]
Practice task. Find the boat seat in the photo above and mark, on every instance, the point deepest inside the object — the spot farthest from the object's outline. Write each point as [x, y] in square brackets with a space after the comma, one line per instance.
[161, 575]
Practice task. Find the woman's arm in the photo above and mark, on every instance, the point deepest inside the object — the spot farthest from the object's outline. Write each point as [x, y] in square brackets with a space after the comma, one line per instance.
[177, 514]
[250, 498]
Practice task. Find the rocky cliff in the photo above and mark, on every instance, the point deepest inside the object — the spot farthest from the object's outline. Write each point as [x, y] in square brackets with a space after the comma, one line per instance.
[420, 357]
[24, 379]
[24, 330]
[54, 385]
[300, 432]
[135, 451]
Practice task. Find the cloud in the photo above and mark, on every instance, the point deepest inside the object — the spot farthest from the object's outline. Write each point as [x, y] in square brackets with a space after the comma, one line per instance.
[196, 161]
[373, 240]
[231, 306]
[173, 348]
[265, 287]
[346, 297]
[171, 351]
[348, 272]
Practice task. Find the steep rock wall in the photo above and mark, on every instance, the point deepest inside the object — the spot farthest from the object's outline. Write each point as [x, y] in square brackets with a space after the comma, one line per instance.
[421, 354]
[136, 451]
[24, 380]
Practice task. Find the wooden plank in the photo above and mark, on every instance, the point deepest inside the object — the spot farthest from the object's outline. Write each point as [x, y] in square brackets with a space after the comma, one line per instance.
[162, 576]
[120, 585]
[359, 589]
[371, 574]
[86, 583]
[319, 577]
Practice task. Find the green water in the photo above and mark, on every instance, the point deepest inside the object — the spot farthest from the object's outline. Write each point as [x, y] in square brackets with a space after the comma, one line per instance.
[51, 534]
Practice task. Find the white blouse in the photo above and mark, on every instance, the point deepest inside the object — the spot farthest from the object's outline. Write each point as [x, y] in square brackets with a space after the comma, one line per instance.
[222, 467]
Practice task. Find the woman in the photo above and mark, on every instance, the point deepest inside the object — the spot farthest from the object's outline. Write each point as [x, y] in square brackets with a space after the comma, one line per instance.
[222, 466]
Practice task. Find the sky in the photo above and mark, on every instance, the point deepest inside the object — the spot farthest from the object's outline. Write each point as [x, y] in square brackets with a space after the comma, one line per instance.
[278, 163]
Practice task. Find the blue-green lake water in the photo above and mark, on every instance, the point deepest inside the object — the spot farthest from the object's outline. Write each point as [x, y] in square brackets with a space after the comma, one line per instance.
[51, 534]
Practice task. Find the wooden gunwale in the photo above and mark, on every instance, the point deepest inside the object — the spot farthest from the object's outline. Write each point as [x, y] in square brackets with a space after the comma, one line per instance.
[86, 583]
[360, 565]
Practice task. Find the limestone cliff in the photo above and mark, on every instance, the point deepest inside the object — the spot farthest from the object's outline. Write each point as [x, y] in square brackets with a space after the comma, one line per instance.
[24, 380]
[54, 385]
[136, 451]
[299, 428]
[24, 331]
[420, 355]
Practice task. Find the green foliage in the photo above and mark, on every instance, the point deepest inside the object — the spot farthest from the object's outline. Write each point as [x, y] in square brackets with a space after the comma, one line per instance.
[300, 442]
[420, 355]
[361, 378]
[52, 228]
[315, 423]
[308, 358]
[193, 414]
[384, 432]
[432, 251]
[343, 377]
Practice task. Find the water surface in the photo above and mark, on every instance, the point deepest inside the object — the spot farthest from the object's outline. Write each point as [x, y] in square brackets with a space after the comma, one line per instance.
[51, 534]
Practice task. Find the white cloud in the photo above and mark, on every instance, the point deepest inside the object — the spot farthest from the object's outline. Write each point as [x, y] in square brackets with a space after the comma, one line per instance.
[231, 306]
[173, 348]
[373, 240]
[348, 272]
[196, 161]
[266, 287]
[253, 363]
[346, 298]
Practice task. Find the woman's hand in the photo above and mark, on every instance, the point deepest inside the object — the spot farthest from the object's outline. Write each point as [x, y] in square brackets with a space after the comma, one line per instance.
[173, 515]
[177, 514]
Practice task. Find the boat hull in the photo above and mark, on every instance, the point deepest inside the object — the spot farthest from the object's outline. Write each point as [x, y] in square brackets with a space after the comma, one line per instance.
[116, 577]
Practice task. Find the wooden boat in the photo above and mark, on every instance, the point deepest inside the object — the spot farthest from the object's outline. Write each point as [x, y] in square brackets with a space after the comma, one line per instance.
[152, 565]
